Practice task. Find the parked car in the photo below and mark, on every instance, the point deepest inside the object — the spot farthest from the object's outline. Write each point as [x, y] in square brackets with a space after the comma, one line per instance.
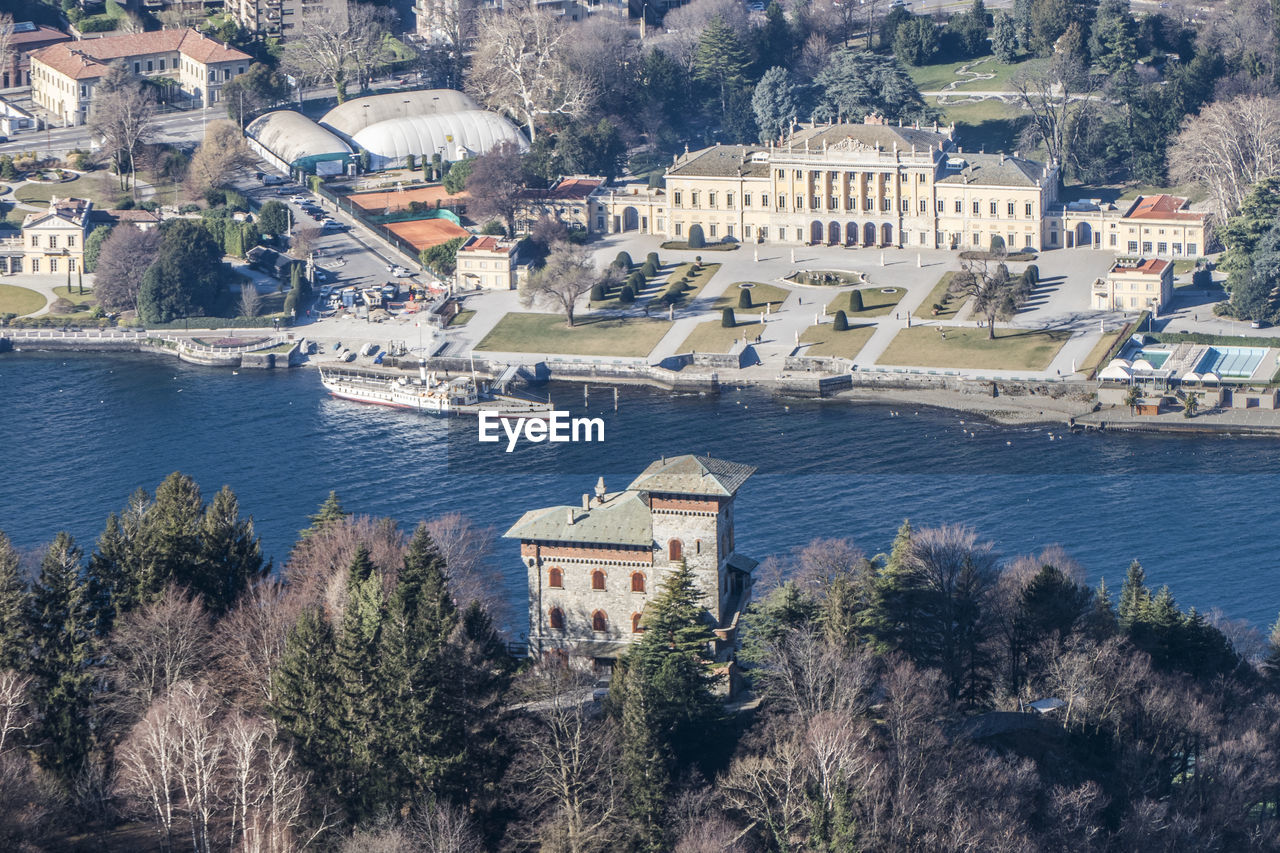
[332, 225]
[401, 272]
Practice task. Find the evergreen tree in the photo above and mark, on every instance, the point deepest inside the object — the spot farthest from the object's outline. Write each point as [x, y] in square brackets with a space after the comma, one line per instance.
[230, 557]
[1271, 663]
[1101, 618]
[113, 567]
[1113, 42]
[667, 706]
[93, 246]
[857, 83]
[62, 652]
[1135, 598]
[14, 605]
[915, 40]
[768, 620]
[1004, 38]
[720, 59]
[364, 788]
[774, 103]
[170, 538]
[478, 674]
[329, 512]
[775, 41]
[306, 695]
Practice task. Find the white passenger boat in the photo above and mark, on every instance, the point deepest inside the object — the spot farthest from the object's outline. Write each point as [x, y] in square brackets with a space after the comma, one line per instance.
[459, 395]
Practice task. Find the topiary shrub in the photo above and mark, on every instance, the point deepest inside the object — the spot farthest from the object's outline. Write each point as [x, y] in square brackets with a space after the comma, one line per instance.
[727, 320]
[636, 281]
[652, 258]
[622, 261]
[627, 295]
[1032, 272]
[696, 238]
[997, 244]
[841, 323]
[649, 270]
[598, 294]
[744, 298]
[855, 301]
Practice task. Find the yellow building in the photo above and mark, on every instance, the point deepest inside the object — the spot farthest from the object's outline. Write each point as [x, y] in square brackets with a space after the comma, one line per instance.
[1135, 284]
[64, 76]
[860, 185]
[489, 264]
[1154, 226]
[53, 241]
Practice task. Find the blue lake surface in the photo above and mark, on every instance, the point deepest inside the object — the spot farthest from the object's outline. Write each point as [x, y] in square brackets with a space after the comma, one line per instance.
[86, 430]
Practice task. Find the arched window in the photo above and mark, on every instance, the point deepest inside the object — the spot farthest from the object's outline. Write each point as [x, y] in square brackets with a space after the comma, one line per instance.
[637, 581]
[636, 627]
[597, 579]
[675, 550]
[555, 578]
[557, 619]
[599, 622]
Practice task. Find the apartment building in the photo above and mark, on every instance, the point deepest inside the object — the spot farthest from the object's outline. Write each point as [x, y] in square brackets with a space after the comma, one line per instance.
[279, 17]
[488, 263]
[64, 76]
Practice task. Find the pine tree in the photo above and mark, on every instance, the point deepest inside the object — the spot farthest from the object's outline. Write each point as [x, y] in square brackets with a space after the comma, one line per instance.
[329, 512]
[62, 651]
[479, 670]
[1101, 618]
[306, 694]
[774, 103]
[170, 538]
[230, 556]
[666, 699]
[720, 59]
[1004, 38]
[114, 565]
[1135, 598]
[14, 604]
[364, 788]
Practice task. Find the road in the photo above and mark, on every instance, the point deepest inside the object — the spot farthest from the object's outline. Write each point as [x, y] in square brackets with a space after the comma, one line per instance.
[178, 127]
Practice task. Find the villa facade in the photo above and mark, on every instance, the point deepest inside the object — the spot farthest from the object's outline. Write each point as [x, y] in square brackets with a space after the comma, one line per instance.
[876, 185]
[592, 568]
[1135, 285]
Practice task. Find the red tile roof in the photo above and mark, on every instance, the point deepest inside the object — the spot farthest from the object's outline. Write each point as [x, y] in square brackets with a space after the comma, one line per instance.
[39, 37]
[1162, 206]
[88, 58]
[1151, 266]
[567, 189]
[488, 243]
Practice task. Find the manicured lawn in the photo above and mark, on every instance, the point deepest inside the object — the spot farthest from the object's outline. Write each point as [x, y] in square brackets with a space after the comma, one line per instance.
[1093, 360]
[84, 302]
[42, 192]
[652, 287]
[825, 340]
[761, 294]
[19, 300]
[949, 309]
[875, 303]
[935, 346]
[933, 78]
[712, 337]
[988, 123]
[591, 336]
[462, 318]
[697, 281]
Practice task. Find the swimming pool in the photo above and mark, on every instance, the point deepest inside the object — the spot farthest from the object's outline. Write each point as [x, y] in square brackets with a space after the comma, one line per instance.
[1235, 362]
[1155, 357]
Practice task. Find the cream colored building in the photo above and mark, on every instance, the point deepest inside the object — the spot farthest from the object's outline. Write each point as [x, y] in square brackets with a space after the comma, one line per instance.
[569, 200]
[489, 263]
[1154, 226]
[53, 241]
[64, 76]
[1135, 284]
[281, 17]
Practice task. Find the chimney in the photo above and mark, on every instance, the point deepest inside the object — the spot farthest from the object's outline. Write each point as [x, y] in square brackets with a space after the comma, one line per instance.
[586, 502]
[1002, 157]
[600, 490]
[571, 515]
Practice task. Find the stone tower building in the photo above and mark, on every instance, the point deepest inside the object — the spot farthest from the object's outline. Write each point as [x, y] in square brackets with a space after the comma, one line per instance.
[593, 567]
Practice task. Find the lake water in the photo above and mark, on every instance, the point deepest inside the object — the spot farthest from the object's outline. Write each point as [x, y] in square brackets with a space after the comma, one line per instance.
[86, 430]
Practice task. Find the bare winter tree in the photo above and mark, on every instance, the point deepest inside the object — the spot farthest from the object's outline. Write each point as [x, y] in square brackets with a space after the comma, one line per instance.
[1054, 93]
[568, 274]
[220, 156]
[152, 650]
[320, 561]
[1227, 148]
[122, 261]
[147, 770]
[495, 185]
[807, 676]
[248, 643]
[123, 107]
[265, 791]
[996, 294]
[568, 766]
[519, 66]
[468, 552]
[335, 47]
[6, 43]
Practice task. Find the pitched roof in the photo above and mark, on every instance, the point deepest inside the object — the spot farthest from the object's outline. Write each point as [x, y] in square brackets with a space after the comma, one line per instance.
[488, 243]
[693, 475]
[89, 58]
[1162, 206]
[69, 210]
[866, 135]
[1150, 266]
[993, 170]
[569, 189]
[721, 161]
[622, 518]
[19, 39]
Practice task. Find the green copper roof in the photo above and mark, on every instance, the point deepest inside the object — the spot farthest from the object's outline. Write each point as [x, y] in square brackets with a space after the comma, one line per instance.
[693, 475]
[621, 519]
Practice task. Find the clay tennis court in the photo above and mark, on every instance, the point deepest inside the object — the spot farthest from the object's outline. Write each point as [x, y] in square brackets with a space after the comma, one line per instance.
[425, 233]
[397, 200]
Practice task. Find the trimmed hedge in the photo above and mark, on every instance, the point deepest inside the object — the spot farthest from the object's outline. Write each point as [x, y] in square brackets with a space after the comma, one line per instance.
[841, 322]
[709, 247]
[727, 319]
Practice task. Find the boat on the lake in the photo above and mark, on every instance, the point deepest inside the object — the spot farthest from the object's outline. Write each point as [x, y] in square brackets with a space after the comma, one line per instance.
[427, 392]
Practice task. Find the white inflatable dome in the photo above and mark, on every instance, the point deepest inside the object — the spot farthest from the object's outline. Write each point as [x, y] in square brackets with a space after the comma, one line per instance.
[456, 136]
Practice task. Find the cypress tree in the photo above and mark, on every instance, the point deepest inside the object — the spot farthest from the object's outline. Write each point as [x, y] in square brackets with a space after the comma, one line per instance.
[855, 301]
[62, 651]
[14, 605]
[230, 556]
[329, 512]
[840, 323]
[1101, 619]
[305, 700]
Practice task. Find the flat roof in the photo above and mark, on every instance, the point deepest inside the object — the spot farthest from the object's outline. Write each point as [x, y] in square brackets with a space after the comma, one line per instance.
[1149, 266]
